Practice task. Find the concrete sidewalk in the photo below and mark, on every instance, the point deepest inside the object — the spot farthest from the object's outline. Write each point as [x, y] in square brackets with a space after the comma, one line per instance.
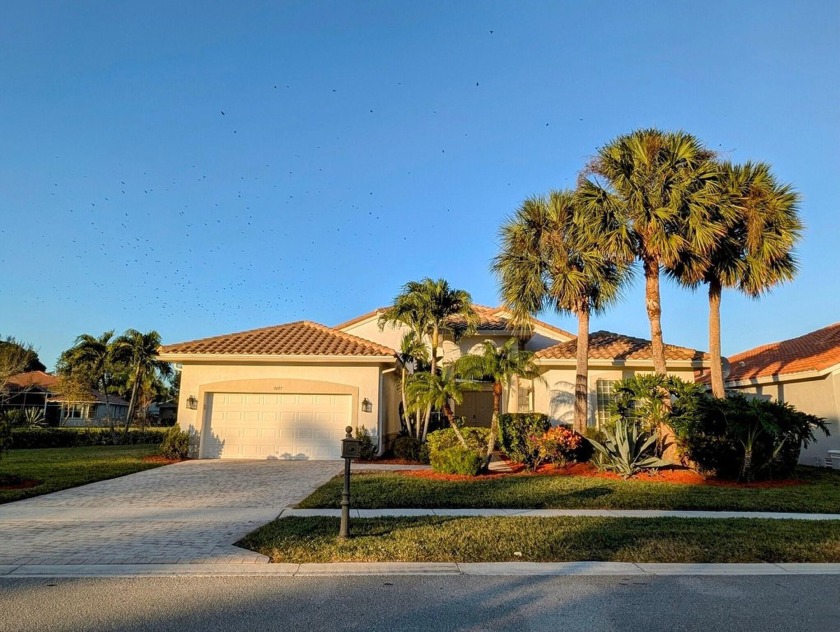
[291, 512]
[401, 568]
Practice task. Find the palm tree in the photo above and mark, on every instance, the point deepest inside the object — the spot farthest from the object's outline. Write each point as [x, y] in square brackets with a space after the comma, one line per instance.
[500, 364]
[437, 390]
[548, 261]
[139, 351]
[651, 196]
[412, 351]
[94, 358]
[429, 307]
[762, 226]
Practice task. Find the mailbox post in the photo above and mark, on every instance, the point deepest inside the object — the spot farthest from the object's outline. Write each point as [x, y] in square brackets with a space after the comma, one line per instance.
[350, 449]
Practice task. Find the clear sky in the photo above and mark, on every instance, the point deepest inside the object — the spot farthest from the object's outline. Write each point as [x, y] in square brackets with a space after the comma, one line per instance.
[201, 168]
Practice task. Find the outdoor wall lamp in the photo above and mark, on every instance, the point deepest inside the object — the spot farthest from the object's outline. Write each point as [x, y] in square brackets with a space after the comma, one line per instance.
[367, 406]
[192, 402]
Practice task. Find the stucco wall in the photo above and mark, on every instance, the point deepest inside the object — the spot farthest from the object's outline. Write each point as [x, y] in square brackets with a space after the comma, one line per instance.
[555, 394]
[197, 380]
[817, 396]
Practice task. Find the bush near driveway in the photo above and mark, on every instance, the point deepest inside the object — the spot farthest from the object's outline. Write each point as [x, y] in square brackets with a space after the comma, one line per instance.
[29, 438]
[451, 539]
[819, 492]
[59, 468]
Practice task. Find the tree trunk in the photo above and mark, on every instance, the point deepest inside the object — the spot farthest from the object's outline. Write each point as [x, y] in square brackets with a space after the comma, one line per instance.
[406, 417]
[494, 421]
[450, 417]
[654, 311]
[714, 339]
[582, 370]
[132, 402]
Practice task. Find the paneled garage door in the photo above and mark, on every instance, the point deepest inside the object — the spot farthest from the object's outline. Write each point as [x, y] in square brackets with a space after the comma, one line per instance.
[276, 426]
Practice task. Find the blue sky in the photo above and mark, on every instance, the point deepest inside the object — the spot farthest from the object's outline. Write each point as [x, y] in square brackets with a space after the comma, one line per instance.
[209, 167]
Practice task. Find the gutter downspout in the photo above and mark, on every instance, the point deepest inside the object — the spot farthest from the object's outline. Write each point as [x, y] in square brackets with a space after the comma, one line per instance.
[380, 450]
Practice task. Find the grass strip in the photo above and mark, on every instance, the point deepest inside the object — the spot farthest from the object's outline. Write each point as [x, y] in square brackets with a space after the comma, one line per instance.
[60, 468]
[517, 539]
[819, 493]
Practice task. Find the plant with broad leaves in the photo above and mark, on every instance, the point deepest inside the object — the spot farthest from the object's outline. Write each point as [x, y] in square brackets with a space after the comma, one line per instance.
[627, 450]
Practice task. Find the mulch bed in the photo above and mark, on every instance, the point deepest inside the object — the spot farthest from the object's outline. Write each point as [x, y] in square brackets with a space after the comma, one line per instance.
[671, 475]
[156, 458]
[10, 482]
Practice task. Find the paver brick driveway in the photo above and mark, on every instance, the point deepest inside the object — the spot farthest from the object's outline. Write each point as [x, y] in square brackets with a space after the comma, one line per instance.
[190, 512]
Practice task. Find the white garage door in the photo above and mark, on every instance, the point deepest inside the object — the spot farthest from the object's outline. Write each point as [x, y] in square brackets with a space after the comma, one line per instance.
[276, 426]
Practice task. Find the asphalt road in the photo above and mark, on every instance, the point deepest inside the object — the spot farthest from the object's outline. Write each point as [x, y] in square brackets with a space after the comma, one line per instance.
[735, 603]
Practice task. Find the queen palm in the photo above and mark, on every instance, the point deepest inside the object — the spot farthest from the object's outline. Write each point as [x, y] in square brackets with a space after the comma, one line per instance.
[548, 262]
[438, 390]
[501, 365]
[413, 351]
[650, 195]
[139, 352]
[755, 253]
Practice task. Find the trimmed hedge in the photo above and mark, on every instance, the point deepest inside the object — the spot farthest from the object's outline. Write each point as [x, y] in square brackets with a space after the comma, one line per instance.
[446, 438]
[457, 460]
[27, 438]
[516, 431]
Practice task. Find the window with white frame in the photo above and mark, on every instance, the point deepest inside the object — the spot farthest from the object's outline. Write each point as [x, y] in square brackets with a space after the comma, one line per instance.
[604, 396]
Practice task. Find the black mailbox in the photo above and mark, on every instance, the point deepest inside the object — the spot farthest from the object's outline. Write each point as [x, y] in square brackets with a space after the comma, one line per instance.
[350, 448]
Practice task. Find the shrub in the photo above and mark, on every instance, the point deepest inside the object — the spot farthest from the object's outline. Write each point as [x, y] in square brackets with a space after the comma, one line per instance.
[559, 445]
[367, 445]
[457, 460]
[175, 444]
[74, 438]
[743, 438]
[446, 438]
[627, 450]
[407, 448]
[516, 432]
[5, 434]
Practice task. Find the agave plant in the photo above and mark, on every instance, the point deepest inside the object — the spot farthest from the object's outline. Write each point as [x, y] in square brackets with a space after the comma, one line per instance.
[627, 450]
[34, 417]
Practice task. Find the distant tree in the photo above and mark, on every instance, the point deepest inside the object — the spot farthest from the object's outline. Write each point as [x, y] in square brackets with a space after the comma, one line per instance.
[17, 357]
[92, 361]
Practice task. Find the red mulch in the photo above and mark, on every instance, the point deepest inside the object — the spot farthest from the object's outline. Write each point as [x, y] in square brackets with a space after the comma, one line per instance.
[8, 483]
[156, 458]
[672, 476]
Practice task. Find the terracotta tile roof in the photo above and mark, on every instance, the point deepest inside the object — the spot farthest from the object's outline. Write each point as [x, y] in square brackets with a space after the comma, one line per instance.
[605, 345]
[812, 352]
[299, 338]
[490, 319]
[33, 378]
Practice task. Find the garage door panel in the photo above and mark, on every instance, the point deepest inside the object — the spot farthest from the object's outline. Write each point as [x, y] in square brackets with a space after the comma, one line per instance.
[284, 426]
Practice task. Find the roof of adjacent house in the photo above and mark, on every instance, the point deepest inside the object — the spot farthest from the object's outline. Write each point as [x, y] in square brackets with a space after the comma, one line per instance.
[814, 351]
[606, 345]
[49, 383]
[301, 338]
[489, 319]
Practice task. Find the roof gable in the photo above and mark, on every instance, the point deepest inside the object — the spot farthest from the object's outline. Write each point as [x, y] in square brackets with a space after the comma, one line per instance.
[815, 351]
[301, 338]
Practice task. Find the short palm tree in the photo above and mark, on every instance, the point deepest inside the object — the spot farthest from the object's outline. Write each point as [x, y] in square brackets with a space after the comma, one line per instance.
[437, 391]
[651, 195]
[501, 365]
[762, 225]
[139, 352]
[548, 262]
[413, 351]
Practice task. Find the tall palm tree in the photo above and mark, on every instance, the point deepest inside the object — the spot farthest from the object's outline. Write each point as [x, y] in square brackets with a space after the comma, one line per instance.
[501, 365]
[413, 351]
[548, 262]
[93, 357]
[429, 307]
[762, 226]
[438, 390]
[651, 195]
[139, 351]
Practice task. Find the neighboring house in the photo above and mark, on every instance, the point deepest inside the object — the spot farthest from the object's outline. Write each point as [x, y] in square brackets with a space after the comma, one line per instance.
[287, 392]
[804, 372]
[40, 390]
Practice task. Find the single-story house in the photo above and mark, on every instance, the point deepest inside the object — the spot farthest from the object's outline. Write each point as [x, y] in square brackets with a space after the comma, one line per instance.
[288, 391]
[804, 372]
[41, 391]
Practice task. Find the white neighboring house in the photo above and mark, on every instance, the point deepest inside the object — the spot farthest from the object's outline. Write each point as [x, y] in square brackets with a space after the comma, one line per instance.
[288, 391]
[804, 372]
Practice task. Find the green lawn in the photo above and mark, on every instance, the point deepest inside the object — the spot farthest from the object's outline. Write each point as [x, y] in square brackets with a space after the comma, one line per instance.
[60, 468]
[820, 493]
[448, 539]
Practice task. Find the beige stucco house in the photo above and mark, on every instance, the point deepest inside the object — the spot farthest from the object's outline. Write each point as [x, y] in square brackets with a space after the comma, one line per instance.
[804, 372]
[288, 391]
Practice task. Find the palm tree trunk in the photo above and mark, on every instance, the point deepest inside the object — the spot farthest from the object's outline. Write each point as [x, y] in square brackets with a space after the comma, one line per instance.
[582, 370]
[411, 431]
[450, 417]
[653, 304]
[133, 402]
[494, 421]
[714, 339]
